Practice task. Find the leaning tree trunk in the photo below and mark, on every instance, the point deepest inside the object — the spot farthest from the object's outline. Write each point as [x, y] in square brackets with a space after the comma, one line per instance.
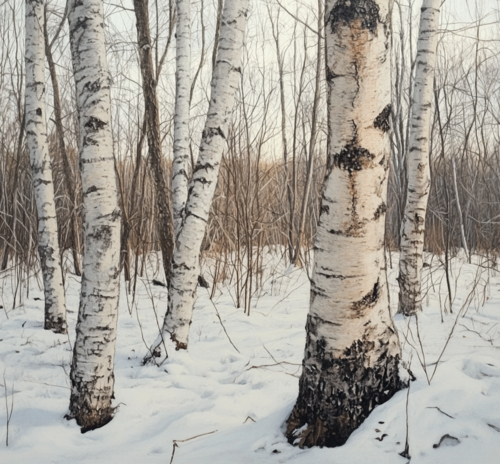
[92, 377]
[419, 180]
[180, 179]
[149, 83]
[41, 168]
[185, 264]
[352, 353]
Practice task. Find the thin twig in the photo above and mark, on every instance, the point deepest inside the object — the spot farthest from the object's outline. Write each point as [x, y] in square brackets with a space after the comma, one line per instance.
[175, 445]
[221, 323]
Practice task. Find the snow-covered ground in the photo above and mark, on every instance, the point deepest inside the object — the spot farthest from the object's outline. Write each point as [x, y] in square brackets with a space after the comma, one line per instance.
[235, 402]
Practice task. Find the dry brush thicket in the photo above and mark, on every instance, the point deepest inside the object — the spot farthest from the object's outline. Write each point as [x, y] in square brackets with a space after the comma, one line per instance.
[263, 188]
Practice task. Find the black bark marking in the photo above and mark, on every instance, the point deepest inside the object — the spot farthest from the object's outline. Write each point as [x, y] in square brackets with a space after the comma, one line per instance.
[380, 211]
[205, 167]
[102, 235]
[39, 111]
[330, 75]
[91, 189]
[93, 87]
[325, 209]
[336, 394]
[212, 132]
[367, 301]
[345, 12]
[353, 158]
[95, 124]
[382, 120]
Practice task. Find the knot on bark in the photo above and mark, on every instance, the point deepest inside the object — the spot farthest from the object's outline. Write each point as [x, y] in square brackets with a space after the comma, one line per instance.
[95, 124]
[353, 158]
[345, 12]
[382, 120]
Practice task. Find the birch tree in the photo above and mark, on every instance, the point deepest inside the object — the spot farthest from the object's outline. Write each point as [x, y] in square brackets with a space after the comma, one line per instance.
[180, 179]
[185, 263]
[92, 377]
[419, 181]
[352, 353]
[41, 168]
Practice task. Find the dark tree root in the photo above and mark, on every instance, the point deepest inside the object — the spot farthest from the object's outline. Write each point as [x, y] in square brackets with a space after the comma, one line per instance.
[337, 394]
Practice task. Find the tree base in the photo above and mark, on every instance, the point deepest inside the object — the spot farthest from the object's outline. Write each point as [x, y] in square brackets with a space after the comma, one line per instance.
[57, 325]
[337, 394]
[88, 418]
[88, 423]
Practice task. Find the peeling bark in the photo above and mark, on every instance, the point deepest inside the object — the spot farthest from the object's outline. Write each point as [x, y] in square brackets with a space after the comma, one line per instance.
[351, 360]
[41, 168]
[92, 377]
[419, 179]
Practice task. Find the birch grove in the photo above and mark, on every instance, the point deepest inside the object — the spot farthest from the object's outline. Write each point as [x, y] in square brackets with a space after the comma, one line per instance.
[419, 182]
[41, 168]
[352, 354]
[185, 262]
[92, 367]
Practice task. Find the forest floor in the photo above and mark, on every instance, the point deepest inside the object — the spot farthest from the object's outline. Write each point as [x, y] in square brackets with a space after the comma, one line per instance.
[216, 405]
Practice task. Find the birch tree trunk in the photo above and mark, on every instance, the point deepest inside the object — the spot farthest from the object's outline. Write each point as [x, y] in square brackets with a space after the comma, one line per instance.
[41, 168]
[352, 353]
[419, 179]
[92, 377]
[180, 179]
[149, 83]
[185, 264]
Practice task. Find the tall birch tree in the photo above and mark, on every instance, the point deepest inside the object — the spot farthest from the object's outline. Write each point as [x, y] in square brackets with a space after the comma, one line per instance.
[185, 263]
[92, 377]
[41, 168]
[180, 179]
[419, 179]
[352, 353]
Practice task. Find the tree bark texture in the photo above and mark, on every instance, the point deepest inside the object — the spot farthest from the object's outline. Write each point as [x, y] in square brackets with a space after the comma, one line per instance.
[165, 231]
[92, 377]
[419, 179]
[180, 175]
[351, 359]
[41, 169]
[185, 264]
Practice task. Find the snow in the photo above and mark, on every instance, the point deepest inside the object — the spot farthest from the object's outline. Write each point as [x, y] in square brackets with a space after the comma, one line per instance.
[235, 403]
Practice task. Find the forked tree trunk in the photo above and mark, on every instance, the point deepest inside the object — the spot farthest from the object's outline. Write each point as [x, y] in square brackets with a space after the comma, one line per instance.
[180, 179]
[149, 83]
[185, 264]
[41, 168]
[352, 353]
[92, 377]
[419, 179]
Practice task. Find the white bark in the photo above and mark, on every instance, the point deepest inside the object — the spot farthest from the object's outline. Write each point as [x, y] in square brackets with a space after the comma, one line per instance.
[419, 181]
[351, 359]
[41, 168]
[180, 179]
[185, 264]
[92, 378]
